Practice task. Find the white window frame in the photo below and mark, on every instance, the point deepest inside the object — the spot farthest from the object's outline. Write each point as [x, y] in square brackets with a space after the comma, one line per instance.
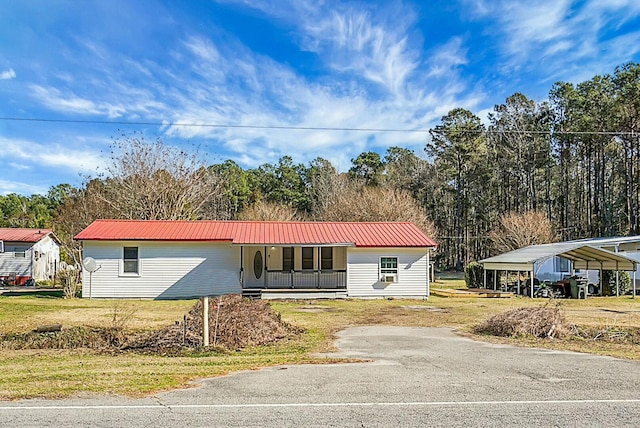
[1, 246]
[385, 272]
[558, 263]
[122, 261]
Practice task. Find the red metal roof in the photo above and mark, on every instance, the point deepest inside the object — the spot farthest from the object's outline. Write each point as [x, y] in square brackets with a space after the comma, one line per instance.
[23, 235]
[364, 234]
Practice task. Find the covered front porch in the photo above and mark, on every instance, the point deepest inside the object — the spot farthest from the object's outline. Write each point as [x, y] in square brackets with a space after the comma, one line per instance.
[296, 269]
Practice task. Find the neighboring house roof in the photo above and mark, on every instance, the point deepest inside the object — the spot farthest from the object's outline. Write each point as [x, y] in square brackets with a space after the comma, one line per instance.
[609, 241]
[25, 235]
[582, 255]
[360, 234]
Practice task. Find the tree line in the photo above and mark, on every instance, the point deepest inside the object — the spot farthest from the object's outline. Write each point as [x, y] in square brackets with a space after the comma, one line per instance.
[564, 168]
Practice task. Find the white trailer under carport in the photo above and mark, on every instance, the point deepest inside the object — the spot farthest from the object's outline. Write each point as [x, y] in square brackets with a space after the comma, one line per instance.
[583, 257]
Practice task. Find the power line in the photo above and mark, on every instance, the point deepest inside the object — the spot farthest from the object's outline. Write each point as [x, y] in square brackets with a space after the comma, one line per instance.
[313, 128]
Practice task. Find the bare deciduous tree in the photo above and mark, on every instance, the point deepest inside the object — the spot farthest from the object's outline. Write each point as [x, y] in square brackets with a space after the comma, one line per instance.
[269, 211]
[521, 230]
[356, 202]
[154, 181]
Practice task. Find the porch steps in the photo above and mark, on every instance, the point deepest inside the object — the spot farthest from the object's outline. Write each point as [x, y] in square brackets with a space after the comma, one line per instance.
[303, 293]
[252, 293]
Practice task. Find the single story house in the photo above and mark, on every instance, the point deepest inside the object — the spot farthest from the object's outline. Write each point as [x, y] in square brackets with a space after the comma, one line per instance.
[28, 254]
[184, 259]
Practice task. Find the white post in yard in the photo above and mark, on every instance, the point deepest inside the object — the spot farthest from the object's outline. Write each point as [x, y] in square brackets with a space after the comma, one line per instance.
[205, 321]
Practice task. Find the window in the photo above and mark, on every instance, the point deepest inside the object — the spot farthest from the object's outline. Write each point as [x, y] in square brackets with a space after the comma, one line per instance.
[20, 254]
[257, 265]
[307, 258]
[389, 269]
[1, 246]
[287, 259]
[326, 256]
[130, 259]
[561, 264]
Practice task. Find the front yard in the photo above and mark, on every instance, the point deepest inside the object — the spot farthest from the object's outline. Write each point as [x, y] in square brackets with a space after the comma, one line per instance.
[59, 373]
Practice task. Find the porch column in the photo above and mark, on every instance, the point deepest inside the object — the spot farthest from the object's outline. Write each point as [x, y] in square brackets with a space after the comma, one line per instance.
[633, 296]
[241, 266]
[495, 279]
[429, 274]
[518, 285]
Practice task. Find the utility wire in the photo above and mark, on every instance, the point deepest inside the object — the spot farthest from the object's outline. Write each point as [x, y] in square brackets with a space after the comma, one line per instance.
[313, 128]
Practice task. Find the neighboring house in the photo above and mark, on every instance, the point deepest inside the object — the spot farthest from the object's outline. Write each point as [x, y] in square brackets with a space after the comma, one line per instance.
[185, 259]
[557, 268]
[28, 254]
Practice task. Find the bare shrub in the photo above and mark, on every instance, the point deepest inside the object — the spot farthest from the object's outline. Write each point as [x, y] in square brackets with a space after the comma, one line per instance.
[521, 230]
[269, 211]
[120, 318]
[70, 283]
[240, 323]
[540, 322]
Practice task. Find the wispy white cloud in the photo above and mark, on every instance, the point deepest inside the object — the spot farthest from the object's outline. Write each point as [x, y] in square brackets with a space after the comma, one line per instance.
[7, 74]
[32, 154]
[8, 186]
[558, 38]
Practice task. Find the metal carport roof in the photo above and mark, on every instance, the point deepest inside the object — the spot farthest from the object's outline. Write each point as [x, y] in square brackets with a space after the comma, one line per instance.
[582, 255]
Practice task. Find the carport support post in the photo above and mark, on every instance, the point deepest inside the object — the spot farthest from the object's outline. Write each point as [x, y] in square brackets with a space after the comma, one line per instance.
[532, 283]
[205, 321]
[484, 271]
[495, 279]
[633, 296]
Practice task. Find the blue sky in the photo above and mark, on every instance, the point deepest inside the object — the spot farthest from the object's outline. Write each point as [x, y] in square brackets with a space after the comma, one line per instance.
[277, 63]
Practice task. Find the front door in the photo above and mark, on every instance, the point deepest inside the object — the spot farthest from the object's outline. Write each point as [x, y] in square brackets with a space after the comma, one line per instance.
[254, 267]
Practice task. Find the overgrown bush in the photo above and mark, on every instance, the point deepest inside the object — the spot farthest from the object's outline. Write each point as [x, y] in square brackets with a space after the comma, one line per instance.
[70, 283]
[541, 322]
[474, 275]
[608, 282]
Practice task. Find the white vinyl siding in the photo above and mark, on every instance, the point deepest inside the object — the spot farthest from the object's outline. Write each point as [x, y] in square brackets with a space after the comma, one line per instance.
[363, 272]
[168, 270]
[12, 264]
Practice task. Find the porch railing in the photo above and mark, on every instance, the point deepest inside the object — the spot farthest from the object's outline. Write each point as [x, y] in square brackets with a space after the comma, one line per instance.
[324, 279]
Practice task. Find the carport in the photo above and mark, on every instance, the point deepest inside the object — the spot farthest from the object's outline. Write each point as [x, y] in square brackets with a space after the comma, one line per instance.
[583, 257]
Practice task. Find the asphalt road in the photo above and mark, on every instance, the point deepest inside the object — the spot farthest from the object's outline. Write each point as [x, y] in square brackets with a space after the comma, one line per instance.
[416, 377]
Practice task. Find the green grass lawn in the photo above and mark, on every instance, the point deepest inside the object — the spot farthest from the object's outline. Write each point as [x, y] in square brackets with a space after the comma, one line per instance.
[62, 373]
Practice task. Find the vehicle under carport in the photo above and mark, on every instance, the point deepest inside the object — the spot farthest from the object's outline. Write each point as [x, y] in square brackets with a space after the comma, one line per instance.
[583, 256]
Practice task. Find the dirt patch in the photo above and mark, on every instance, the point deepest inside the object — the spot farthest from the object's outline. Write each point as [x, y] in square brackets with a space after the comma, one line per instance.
[315, 309]
[425, 308]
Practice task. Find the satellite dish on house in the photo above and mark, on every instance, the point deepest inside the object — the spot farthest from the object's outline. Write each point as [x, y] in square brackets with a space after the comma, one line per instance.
[90, 264]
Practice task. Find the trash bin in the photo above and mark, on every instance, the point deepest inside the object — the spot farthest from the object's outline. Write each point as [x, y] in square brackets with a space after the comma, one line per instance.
[578, 289]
